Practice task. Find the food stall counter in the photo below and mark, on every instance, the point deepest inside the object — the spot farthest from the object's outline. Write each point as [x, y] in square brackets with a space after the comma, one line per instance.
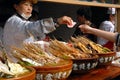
[100, 73]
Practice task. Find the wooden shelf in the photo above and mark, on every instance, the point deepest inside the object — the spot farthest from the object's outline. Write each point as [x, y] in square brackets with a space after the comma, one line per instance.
[77, 2]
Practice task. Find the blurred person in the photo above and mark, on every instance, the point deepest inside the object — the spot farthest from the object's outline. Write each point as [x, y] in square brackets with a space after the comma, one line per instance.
[18, 28]
[107, 25]
[84, 15]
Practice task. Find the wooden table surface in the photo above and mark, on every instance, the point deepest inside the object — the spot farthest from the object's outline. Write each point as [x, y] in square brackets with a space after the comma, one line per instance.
[100, 73]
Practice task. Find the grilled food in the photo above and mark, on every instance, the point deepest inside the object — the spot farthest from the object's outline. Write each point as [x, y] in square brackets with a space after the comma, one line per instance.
[62, 50]
[34, 55]
[88, 46]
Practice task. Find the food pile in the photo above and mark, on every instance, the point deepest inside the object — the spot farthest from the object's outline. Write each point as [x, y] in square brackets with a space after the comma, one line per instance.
[47, 66]
[81, 48]
[65, 51]
[51, 54]
[88, 46]
[33, 55]
[11, 70]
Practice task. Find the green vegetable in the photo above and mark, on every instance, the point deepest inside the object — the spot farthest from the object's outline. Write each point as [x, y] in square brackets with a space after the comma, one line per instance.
[25, 63]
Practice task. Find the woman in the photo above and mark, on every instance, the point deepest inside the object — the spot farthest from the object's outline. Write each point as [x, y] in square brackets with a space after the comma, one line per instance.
[18, 28]
[107, 25]
[84, 15]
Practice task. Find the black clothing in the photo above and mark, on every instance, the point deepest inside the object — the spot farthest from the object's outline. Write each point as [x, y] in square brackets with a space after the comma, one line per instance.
[78, 32]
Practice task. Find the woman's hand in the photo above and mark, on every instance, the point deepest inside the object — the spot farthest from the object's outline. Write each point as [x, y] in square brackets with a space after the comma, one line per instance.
[85, 28]
[66, 20]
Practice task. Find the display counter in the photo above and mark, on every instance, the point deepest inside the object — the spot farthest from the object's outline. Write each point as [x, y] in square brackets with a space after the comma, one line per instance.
[100, 73]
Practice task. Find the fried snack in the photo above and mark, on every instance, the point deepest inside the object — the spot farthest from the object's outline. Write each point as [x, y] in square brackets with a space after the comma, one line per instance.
[62, 50]
[88, 46]
[34, 53]
[83, 48]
